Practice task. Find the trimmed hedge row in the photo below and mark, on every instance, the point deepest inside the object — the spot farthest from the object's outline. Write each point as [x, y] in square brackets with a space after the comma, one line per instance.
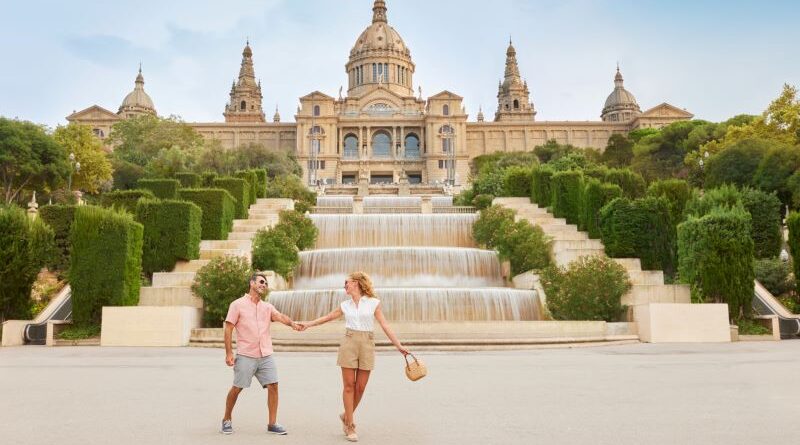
[540, 186]
[252, 181]
[239, 190]
[566, 189]
[793, 223]
[218, 210]
[517, 181]
[125, 199]
[596, 194]
[632, 183]
[172, 232]
[189, 180]
[106, 262]
[208, 179]
[59, 218]
[261, 174]
[161, 188]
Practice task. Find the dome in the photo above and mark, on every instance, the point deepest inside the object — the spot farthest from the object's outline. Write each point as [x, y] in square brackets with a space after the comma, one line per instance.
[138, 100]
[620, 96]
[379, 35]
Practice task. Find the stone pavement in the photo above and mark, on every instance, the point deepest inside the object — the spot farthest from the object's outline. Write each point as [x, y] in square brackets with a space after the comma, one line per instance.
[739, 393]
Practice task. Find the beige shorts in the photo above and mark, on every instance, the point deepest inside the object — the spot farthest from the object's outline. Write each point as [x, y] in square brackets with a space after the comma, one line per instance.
[357, 350]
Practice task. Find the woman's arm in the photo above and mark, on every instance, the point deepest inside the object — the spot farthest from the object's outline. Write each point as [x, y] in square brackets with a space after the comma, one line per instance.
[385, 326]
[336, 313]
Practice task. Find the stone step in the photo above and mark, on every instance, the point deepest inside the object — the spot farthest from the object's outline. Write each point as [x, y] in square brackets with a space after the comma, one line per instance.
[568, 236]
[243, 235]
[215, 253]
[263, 214]
[646, 277]
[657, 293]
[554, 230]
[255, 222]
[559, 245]
[173, 279]
[511, 201]
[190, 266]
[245, 228]
[566, 256]
[630, 264]
[278, 202]
[226, 244]
[169, 296]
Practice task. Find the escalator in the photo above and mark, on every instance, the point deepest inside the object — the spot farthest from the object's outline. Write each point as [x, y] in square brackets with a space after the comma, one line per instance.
[59, 309]
[764, 303]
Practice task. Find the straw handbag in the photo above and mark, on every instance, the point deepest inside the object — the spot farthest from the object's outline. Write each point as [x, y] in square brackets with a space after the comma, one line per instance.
[415, 370]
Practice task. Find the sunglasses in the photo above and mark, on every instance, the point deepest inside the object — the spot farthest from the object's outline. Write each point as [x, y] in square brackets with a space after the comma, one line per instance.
[261, 282]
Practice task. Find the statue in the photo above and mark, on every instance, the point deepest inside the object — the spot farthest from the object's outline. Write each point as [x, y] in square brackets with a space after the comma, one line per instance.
[33, 207]
[340, 92]
[420, 92]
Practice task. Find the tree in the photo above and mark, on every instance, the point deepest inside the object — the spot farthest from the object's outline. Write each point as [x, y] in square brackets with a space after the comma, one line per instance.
[552, 150]
[169, 161]
[29, 158]
[95, 171]
[140, 139]
[661, 155]
[255, 155]
[619, 151]
[736, 164]
[776, 168]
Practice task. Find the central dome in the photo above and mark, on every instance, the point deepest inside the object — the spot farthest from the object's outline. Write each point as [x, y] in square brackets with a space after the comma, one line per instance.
[380, 36]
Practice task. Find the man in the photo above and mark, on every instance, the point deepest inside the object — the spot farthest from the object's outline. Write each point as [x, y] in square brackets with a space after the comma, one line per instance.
[251, 317]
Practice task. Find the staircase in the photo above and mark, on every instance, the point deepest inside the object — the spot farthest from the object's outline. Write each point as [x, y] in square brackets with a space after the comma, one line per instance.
[569, 244]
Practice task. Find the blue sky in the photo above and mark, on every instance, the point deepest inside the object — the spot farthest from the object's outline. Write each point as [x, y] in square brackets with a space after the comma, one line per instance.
[713, 58]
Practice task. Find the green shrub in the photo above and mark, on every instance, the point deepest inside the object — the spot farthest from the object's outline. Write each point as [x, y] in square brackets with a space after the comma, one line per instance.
[632, 183]
[59, 218]
[492, 222]
[290, 186]
[161, 188]
[218, 211]
[482, 201]
[25, 247]
[218, 283]
[726, 196]
[517, 181]
[189, 180]
[598, 172]
[302, 207]
[106, 262]
[793, 224]
[300, 228]
[489, 182]
[79, 332]
[765, 212]
[640, 229]
[240, 190]
[171, 233]
[208, 179]
[524, 245]
[716, 258]
[774, 273]
[261, 189]
[596, 194]
[540, 186]
[275, 250]
[252, 180]
[591, 288]
[749, 326]
[125, 199]
[676, 191]
[566, 189]
[464, 198]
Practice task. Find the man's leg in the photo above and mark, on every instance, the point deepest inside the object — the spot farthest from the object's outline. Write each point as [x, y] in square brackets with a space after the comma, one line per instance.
[230, 401]
[272, 403]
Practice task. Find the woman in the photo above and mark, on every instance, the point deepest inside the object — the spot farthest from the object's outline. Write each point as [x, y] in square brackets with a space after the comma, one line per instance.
[357, 350]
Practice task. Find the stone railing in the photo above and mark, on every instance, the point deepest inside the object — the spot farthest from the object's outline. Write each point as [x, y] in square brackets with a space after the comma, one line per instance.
[331, 210]
[454, 209]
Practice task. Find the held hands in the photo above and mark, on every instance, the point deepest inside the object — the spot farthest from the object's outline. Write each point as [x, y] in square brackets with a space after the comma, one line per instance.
[299, 327]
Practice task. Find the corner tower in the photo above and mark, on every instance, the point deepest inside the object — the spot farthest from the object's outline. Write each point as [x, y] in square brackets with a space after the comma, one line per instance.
[513, 97]
[245, 102]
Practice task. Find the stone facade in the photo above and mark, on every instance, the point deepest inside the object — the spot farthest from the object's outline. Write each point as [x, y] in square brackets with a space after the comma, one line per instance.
[384, 130]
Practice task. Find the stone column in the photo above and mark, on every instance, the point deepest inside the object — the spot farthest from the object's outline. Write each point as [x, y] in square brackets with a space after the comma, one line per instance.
[358, 202]
[427, 204]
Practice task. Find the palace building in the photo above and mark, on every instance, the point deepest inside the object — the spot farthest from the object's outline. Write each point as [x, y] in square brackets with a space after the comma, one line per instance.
[382, 130]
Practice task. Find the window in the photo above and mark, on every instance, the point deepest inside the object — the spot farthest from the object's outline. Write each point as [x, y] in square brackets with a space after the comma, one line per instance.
[444, 164]
[243, 106]
[374, 72]
[320, 165]
[446, 110]
[447, 133]
[412, 146]
[350, 146]
[381, 144]
[98, 132]
[516, 104]
[316, 110]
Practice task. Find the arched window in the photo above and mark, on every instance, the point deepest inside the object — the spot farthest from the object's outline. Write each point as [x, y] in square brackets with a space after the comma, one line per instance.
[316, 134]
[446, 110]
[351, 146]
[447, 133]
[516, 104]
[316, 110]
[243, 106]
[381, 144]
[412, 146]
[98, 132]
[506, 106]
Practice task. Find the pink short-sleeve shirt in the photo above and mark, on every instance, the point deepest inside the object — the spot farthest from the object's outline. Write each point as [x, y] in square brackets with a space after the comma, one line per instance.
[251, 321]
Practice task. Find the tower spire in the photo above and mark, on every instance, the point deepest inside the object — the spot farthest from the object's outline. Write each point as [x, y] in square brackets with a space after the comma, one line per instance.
[245, 102]
[379, 12]
[513, 96]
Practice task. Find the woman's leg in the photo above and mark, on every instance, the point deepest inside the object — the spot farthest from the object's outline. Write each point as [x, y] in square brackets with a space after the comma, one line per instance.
[362, 377]
[348, 393]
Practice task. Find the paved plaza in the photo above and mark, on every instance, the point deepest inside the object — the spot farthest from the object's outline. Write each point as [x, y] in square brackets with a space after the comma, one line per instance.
[739, 393]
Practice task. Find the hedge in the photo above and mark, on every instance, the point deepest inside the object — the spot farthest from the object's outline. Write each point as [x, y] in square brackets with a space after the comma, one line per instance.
[189, 180]
[596, 194]
[566, 189]
[274, 249]
[208, 179]
[261, 174]
[765, 213]
[59, 218]
[300, 227]
[218, 283]
[632, 184]
[125, 199]
[676, 191]
[523, 245]
[240, 190]
[793, 224]
[517, 181]
[218, 210]
[161, 188]
[172, 232]
[25, 247]
[106, 262]
[640, 229]
[540, 186]
[716, 259]
[252, 180]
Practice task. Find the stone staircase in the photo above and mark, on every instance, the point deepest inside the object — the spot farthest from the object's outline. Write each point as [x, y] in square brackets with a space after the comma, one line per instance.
[569, 244]
[170, 298]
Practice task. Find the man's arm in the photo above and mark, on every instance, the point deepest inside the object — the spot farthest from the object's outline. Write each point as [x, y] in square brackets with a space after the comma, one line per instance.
[279, 317]
[229, 343]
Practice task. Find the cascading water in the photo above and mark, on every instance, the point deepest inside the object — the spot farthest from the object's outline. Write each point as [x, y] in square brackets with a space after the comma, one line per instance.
[425, 267]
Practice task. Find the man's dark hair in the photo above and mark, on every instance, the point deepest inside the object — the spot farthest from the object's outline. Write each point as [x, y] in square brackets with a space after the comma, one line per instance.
[256, 275]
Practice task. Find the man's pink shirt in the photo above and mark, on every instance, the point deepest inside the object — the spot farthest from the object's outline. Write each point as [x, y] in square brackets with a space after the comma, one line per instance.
[251, 321]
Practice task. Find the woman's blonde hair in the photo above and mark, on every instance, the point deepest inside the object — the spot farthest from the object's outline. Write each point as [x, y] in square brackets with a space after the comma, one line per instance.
[364, 283]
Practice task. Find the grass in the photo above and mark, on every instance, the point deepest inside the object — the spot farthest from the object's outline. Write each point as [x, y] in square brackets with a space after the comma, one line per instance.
[79, 332]
[752, 327]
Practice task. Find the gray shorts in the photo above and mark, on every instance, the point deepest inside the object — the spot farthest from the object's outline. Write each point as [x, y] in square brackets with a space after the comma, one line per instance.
[263, 369]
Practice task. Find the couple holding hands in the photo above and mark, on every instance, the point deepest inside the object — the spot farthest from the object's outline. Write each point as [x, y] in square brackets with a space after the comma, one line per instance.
[251, 317]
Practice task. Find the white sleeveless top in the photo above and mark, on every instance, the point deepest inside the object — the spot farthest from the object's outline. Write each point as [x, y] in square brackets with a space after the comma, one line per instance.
[360, 318]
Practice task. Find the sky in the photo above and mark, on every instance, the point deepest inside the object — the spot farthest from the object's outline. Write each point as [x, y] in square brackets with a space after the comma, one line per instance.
[715, 59]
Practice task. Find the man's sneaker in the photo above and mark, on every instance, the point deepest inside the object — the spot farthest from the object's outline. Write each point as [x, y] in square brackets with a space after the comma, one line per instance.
[227, 427]
[276, 429]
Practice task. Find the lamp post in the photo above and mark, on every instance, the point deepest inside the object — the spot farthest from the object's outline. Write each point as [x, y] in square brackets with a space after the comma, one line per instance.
[74, 167]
